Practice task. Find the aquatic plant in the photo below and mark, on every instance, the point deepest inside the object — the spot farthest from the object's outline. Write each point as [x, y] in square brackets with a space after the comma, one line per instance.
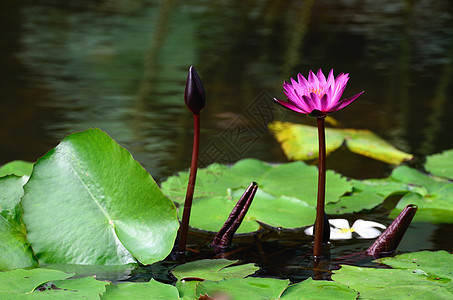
[316, 97]
[194, 97]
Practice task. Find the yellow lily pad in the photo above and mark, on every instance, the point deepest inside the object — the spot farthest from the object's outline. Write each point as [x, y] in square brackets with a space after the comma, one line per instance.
[300, 142]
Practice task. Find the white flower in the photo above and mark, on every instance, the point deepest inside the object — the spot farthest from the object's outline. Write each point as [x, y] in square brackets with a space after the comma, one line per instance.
[340, 230]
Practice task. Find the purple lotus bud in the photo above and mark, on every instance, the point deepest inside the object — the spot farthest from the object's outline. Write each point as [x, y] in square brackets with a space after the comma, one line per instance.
[194, 94]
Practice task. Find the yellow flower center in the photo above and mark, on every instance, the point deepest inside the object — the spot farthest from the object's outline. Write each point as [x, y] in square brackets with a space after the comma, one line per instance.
[317, 90]
[345, 230]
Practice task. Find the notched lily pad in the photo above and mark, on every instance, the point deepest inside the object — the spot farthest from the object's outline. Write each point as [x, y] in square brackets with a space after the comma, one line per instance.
[300, 142]
[89, 202]
[286, 195]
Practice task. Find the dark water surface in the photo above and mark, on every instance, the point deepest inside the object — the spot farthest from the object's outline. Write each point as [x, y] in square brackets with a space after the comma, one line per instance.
[121, 66]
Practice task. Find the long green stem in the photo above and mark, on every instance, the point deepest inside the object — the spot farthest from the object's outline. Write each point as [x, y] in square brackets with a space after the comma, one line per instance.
[317, 249]
[183, 229]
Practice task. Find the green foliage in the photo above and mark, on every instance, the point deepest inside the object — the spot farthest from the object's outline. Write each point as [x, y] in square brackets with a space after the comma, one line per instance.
[318, 289]
[441, 164]
[15, 252]
[138, 291]
[17, 167]
[213, 269]
[286, 196]
[89, 202]
[432, 195]
[416, 276]
[300, 142]
[17, 283]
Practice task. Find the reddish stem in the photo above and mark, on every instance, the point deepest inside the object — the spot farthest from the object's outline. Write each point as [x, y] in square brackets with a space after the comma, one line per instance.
[317, 249]
[183, 229]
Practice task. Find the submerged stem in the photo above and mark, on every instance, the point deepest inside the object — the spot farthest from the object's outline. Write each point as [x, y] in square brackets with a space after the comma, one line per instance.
[317, 249]
[183, 229]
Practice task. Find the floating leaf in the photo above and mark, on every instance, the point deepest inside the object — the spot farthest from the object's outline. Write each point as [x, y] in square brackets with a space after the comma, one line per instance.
[354, 203]
[436, 263]
[286, 196]
[137, 290]
[15, 252]
[368, 144]
[17, 167]
[244, 288]
[213, 269]
[318, 289]
[421, 274]
[432, 195]
[300, 142]
[441, 164]
[89, 202]
[78, 288]
[19, 282]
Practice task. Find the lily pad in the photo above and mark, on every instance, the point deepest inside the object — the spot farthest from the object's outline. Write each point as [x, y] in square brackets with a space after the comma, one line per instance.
[432, 195]
[16, 283]
[16, 167]
[15, 252]
[419, 275]
[300, 142]
[77, 288]
[89, 202]
[435, 263]
[318, 289]
[441, 164]
[138, 291]
[213, 269]
[244, 288]
[286, 196]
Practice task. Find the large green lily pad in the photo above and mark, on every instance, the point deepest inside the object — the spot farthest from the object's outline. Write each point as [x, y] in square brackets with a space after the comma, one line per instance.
[420, 275]
[441, 164]
[300, 142]
[15, 252]
[213, 269]
[89, 202]
[286, 196]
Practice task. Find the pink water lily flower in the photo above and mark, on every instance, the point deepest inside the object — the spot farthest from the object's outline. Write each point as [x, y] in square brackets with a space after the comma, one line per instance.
[316, 96]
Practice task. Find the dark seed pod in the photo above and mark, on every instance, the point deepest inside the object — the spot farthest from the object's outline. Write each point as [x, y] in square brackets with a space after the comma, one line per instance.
[194, 93]
[389, 240]
[225, 235]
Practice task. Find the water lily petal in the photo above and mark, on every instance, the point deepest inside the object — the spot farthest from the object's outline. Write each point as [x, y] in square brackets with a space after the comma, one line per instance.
[321, 78]
[302, 81]
[339, 223]
[330, 79]
[312, 79]
[368, 233]
[345, 102]
[359, 224]
[309, 230]
[290, 106]
[338, 234]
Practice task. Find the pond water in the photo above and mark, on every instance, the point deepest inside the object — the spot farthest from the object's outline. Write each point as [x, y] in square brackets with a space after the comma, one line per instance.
[122, 65]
